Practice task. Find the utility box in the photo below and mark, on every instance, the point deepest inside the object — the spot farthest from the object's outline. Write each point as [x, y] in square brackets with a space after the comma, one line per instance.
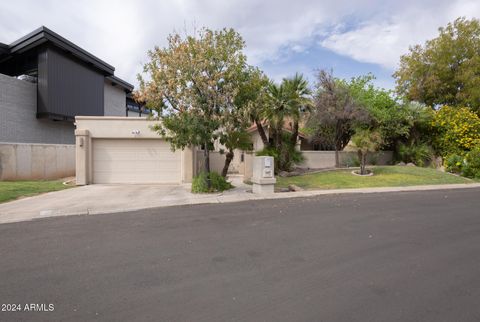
[263, 177]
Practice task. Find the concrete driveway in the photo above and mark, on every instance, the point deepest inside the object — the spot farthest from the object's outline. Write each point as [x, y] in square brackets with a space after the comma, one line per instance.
[111, 198]
[103, 198]
[93, 199]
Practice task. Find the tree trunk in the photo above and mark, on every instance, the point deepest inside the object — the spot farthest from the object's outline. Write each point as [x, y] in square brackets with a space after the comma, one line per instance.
[362, 157]
[337, 157]
[294, 137]
[206, 154]
[278, 139]
[261, 131]
[228, 159]
[338, 143]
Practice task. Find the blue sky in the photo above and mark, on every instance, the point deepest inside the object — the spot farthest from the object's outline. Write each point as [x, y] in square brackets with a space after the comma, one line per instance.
[317, 57]
[352, 37]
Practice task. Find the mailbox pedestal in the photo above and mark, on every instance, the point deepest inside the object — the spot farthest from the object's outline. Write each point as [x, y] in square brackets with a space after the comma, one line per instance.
[263, 177]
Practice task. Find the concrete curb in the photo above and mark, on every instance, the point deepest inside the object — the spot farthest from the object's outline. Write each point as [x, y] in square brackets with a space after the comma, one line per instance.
[231, 196]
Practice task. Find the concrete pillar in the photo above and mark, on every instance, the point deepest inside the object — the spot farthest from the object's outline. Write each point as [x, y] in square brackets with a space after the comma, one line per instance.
[263, 178]
[82, 158]
[298, 145]
[188, 164]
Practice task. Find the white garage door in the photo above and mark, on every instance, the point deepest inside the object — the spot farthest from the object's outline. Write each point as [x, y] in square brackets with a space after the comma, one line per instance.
[135, 161]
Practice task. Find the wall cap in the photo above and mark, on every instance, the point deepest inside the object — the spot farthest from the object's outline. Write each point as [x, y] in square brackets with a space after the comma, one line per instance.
[82, 132]
[122, 118]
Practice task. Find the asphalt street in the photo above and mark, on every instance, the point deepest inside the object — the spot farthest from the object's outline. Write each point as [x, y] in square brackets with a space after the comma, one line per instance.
[409, 256]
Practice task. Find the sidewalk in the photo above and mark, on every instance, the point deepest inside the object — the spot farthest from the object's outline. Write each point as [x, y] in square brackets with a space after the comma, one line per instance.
[98, 199]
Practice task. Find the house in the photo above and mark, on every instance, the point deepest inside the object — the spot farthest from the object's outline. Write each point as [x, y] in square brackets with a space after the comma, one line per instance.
[45, 81]
[126, 150]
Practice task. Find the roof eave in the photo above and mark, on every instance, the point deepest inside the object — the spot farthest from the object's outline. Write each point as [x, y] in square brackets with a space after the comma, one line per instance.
[118, 81]
[43, 34]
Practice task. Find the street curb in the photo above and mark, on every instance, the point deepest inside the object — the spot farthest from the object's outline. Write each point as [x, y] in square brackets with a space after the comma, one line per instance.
[221, 198]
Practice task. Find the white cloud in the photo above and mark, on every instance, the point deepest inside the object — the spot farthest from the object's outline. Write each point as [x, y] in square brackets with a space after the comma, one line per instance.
[382, 40]
[121, 32]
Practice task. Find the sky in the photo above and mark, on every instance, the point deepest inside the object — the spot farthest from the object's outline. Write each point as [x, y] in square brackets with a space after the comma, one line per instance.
[349, 37]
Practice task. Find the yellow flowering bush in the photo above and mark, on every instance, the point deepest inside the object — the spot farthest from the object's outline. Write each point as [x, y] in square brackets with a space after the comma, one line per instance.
[457, 130]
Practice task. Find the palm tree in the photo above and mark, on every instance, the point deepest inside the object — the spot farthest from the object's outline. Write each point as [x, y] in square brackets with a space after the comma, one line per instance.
[279, 101]
[252, 96]
[301, 102]
[287, 99]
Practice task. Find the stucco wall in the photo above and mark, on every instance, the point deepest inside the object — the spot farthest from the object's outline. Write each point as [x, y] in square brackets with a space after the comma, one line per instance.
[217, 161]
[114, 100]
[248, 166]
[318, 159]
[18, 121]
[326, 159]
[257, 141]
[36, 161]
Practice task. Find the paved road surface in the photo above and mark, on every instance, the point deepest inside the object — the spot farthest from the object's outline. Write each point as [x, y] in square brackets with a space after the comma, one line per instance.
[412, 256]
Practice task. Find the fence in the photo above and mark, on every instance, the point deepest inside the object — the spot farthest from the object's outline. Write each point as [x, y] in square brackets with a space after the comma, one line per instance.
[326, 159]
[23, 161]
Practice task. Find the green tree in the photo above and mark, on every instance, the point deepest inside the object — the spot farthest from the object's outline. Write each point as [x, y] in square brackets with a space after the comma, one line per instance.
[334, 107]
[387, 115]
[298, 88]
[191, 84]
[366, 140]
[446, 69]
[286, 102]
[234, 138]
[252, 97]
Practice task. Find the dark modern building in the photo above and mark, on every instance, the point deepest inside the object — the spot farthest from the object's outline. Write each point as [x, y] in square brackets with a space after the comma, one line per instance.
[46, 80]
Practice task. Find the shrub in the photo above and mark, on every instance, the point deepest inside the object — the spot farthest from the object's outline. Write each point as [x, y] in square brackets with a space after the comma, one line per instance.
[454, 163]
[352, 161]
[218, 183]
[457, 130]
[420, 154]
[471, 167]
[284, 159]
[372, 158]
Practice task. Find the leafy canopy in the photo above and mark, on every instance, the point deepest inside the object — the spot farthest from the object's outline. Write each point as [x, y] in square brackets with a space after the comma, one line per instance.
[335, 111]
[457, 130]
[192, 84]
[387, 115]
[446, 69]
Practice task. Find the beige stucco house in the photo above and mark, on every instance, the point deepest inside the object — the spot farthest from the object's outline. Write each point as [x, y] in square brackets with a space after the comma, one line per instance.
[126, 150]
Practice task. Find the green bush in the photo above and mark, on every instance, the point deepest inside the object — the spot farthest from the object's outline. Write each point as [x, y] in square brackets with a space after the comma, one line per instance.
[372, 158]
[420, 154]
[454, 163]
[218, 183]
[284, 159]
[352, 161]
[471, 167]
[270, 152]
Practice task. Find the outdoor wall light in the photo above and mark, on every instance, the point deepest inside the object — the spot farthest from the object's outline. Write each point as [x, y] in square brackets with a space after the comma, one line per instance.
[135, 132]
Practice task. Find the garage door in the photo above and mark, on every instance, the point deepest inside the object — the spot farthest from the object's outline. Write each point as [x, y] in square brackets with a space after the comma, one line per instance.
[135, 161]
